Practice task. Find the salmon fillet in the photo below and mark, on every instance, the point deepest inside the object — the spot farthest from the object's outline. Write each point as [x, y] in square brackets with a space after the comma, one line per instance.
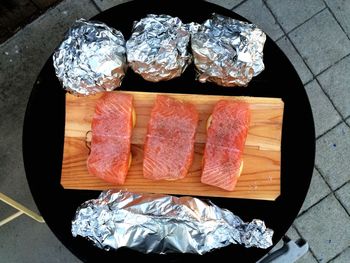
[111, 137]
[169, 145]
[226, 135]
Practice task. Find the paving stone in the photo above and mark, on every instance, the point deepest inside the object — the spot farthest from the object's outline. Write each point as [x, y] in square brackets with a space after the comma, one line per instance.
[26, 240]
[341, 10]
[292, 233]
[307, 258]
[320, 41]
[335, 81]
[258, 13]
[43, 4]
[229, 4]
[12, 174]
[325, 116]
[298, 63]
[6, 210]
[326, 227]
[343, 195]
[333, 155]
[289, 13]
[318, 189]
[344, 257]
[106, 4]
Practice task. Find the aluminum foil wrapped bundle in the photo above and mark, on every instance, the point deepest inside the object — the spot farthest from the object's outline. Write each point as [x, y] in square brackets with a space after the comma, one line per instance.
[164, 224]
[158, 47]
[227, 51]
[91, 58]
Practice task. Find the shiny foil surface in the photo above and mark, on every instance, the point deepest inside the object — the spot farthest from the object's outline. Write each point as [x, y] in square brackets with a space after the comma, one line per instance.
[158, 48]
[228, 52]
[164, 224]
[91, 58]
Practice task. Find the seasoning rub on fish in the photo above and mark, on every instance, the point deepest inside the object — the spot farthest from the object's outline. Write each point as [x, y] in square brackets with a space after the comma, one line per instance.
[226, 135]
[112, 124]
[169, 145]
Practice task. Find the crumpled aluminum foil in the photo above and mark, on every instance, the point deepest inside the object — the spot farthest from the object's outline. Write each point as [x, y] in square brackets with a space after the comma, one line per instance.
[91, 58]
[163, 224]
[228, 52]
[158, 47]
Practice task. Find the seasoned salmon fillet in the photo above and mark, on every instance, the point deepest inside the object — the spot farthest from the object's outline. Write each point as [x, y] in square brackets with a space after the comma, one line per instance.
[111, 137]
[169, 144]
[226, 135]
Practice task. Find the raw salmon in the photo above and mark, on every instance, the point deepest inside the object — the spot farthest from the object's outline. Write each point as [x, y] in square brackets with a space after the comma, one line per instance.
[169, 145]
[111, 137]
[226, 135]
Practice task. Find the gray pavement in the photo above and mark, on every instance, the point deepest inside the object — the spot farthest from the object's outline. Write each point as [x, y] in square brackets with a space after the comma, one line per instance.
[314, 34]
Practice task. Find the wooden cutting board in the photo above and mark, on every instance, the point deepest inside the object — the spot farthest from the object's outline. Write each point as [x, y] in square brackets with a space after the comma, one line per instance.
[260, 178]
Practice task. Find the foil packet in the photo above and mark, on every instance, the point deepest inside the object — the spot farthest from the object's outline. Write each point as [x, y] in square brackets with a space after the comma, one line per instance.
[164, 224]
[91, 58]
[228, 52]
[158, 48]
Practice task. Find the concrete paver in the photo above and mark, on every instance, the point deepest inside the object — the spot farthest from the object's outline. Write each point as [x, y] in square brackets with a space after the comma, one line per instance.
[30, 241]
[343, 194]
[332, 43]
[341, 10]
[257, 12]
[335, 82]
[289, 13]
[318, 189]
[343, 257]
[298, 63]
[333, 155]
[326, 227]
[325, 115]
[307, 258]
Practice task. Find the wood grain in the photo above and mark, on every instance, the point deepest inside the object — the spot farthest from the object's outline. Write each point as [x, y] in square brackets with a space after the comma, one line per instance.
[260, 178]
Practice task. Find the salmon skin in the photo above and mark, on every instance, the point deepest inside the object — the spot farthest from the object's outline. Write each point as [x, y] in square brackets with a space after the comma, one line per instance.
[111, 137]
[169, 144]
[226, 136]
